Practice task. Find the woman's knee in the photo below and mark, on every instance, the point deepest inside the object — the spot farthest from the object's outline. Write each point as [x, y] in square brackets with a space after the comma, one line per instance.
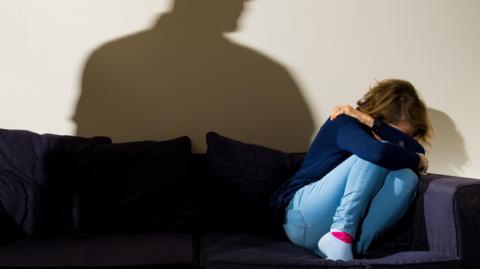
[404, 179]
[371, 168]
[366, 163]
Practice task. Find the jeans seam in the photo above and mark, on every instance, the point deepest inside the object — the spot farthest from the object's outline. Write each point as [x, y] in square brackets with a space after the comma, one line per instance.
[362, 175]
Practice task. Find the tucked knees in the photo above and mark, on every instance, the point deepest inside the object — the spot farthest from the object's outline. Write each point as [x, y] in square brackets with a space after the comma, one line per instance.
[388, 206]
[363, 162]
[403, 181]
[354, 190]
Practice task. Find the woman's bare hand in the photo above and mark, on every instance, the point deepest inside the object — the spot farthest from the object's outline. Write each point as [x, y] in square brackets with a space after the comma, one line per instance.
[342, 109]
[352, 112]
[423, 165]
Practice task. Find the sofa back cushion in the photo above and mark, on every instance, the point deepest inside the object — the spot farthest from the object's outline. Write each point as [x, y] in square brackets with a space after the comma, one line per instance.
[28, 162]
[241, 178]
[134, 187]
[9, 229]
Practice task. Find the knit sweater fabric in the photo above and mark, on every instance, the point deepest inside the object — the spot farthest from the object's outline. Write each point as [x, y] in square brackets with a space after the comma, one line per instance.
[337, 140]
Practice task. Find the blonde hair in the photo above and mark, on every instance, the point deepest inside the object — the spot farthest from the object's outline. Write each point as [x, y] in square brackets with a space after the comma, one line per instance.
[395, 101]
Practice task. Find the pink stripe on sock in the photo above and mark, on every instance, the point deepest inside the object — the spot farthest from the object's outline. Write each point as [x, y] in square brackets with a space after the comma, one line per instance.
[345, 237]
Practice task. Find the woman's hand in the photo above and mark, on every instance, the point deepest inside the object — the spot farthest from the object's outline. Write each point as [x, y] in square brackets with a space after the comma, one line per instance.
[423, 165]
[352, 112]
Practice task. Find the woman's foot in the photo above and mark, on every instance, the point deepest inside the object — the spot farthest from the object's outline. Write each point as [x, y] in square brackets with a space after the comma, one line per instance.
[336, 245]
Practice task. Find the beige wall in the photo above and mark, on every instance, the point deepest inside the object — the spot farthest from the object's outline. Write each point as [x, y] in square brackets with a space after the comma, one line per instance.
[139, 69]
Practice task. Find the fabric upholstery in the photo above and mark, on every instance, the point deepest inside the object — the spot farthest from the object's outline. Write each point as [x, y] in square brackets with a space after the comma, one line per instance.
[467, 201]
[9, 230]
[224, 250]
[451, 207]
[27, 161]
[104, 251]
[243, 176]
[134, 187]
[42, 177]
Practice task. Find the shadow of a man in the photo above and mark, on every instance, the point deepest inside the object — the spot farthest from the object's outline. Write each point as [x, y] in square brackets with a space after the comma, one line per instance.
[184, 77]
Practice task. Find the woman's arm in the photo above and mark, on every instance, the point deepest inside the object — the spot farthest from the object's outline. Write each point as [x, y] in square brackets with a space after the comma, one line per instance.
[396, 136]
[380, 128]
[355, 139]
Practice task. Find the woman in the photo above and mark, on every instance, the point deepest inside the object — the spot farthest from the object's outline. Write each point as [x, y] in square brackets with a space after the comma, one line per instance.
[359, 175]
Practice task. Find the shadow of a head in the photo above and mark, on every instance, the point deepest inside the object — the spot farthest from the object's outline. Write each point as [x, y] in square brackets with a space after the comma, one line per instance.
[448, 154]
[210, 15]
[184, 77]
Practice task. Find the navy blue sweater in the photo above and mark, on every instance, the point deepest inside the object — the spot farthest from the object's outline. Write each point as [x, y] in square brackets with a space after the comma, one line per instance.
[339, 139]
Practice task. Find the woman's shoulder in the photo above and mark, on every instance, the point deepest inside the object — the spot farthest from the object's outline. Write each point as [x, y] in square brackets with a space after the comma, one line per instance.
[329, 130]
[342, 120]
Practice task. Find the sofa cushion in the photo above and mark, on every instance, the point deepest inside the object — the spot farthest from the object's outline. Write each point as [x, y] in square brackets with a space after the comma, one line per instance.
[102, 251]
[244, 176]
[134, 187]
[28, 162]
[9, 229]
[224, 250]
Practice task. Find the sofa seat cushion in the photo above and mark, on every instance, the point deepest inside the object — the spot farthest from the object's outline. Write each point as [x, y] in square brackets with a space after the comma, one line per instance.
[102, 251]
[223, 250]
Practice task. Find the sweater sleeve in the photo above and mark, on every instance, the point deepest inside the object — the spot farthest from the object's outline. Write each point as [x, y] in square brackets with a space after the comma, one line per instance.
[391, 134]
[353, 138]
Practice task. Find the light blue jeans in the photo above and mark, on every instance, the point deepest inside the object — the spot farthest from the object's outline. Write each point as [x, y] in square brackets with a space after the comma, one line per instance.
[356, 196]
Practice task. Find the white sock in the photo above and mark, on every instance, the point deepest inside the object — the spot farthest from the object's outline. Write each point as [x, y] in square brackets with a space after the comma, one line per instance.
[334, 248]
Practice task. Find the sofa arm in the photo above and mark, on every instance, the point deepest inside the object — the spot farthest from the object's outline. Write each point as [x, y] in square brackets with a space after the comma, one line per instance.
[451, 216]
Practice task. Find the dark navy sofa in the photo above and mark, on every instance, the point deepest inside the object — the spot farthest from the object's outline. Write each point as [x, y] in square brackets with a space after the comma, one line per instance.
[77, 203]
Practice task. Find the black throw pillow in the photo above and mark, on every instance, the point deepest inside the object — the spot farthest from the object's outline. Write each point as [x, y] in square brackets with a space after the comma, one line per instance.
[242, 177]
[134, 187]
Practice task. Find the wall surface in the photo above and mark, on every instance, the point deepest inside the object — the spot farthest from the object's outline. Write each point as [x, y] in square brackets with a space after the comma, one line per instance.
[264, 71]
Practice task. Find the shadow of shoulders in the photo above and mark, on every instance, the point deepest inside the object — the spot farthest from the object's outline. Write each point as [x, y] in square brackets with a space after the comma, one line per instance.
[184, 77]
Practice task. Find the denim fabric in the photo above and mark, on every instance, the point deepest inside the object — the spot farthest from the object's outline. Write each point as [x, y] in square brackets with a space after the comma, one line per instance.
[358, 197]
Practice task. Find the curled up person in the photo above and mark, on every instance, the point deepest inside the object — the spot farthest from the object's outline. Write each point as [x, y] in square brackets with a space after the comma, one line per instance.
[359, 175]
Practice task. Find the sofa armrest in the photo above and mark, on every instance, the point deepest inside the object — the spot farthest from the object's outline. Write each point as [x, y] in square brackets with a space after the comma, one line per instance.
[451, 216]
